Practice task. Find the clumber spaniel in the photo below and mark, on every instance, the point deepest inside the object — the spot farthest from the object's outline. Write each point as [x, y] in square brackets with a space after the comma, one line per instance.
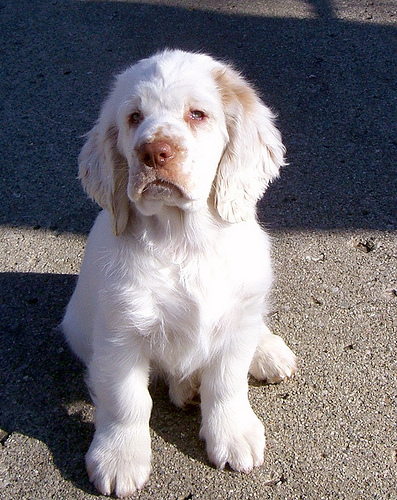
[177, 269]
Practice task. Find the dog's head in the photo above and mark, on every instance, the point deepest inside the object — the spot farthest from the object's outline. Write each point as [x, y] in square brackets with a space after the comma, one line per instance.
[183, 130]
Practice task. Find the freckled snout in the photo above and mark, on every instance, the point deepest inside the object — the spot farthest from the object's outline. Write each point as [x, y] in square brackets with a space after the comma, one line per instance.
[156, 154]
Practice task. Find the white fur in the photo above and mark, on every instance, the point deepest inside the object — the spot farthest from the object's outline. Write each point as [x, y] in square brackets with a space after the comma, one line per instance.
[176, 270]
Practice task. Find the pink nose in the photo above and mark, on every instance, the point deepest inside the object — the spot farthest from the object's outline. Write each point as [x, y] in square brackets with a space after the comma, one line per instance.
[155, 154]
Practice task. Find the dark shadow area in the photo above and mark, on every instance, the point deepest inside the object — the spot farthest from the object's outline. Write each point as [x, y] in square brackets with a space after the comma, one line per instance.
[177, 426]
[333, 84]
[39, 376]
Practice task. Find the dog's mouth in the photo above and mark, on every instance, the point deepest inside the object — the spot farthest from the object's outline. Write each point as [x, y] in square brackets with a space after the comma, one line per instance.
[161, 189]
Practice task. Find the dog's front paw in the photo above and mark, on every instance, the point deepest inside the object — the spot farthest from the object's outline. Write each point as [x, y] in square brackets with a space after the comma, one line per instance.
[237, 440]
[118, 460]
[273, 360]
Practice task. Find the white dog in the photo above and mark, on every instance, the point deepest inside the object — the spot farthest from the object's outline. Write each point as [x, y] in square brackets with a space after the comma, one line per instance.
[177, 268]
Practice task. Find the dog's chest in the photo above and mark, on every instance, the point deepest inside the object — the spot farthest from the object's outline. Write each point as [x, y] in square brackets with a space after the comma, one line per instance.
[197, 291]
[181, 309]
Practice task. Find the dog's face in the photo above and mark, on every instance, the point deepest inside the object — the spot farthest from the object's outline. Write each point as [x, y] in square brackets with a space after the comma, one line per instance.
[181, 130]
[172, 133]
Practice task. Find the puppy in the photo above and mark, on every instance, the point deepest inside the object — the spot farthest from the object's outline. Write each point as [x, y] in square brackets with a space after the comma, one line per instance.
[177, 269]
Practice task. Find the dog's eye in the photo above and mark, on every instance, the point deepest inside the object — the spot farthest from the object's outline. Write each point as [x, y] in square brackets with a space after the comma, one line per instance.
[196, 114]
[135, 118]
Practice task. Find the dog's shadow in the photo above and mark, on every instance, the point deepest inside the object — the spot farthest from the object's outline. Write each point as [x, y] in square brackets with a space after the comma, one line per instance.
[179, 427]
[43, 392]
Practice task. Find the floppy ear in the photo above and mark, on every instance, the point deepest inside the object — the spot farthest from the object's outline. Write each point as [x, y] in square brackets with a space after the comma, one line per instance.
[254, 152]
[103, 172]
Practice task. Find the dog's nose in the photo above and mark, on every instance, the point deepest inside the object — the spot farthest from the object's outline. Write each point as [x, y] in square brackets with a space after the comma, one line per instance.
[155, 154]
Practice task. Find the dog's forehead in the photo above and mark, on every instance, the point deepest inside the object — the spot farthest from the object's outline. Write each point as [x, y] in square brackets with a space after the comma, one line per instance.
[174, 95]
[171, 79]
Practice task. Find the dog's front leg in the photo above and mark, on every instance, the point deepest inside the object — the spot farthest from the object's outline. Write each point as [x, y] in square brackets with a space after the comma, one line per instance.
[232, 431]
[119, 456]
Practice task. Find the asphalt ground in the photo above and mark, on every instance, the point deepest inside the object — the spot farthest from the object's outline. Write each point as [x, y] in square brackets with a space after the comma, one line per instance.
[329, 69]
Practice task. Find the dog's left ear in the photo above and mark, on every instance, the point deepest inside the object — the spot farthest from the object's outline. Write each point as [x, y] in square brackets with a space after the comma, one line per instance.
[254, 153]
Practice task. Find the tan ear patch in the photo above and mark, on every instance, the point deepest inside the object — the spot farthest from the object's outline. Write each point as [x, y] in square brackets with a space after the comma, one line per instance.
[233, 88]
[119, 203]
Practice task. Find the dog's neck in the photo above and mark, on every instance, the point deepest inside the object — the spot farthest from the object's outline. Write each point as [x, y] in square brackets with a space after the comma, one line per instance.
[176, 232]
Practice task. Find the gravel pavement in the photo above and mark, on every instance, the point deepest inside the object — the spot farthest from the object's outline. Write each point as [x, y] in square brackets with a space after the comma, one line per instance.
[329, 69]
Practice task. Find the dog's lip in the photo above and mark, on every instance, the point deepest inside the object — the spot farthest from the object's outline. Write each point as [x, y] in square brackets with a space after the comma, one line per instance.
[160, 189]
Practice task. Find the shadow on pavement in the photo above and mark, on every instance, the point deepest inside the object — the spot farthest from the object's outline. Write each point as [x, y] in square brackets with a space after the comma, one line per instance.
[38, 375]
[332, 82]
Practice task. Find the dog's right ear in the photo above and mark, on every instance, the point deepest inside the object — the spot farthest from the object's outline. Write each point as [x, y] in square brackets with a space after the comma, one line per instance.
[103, 172]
